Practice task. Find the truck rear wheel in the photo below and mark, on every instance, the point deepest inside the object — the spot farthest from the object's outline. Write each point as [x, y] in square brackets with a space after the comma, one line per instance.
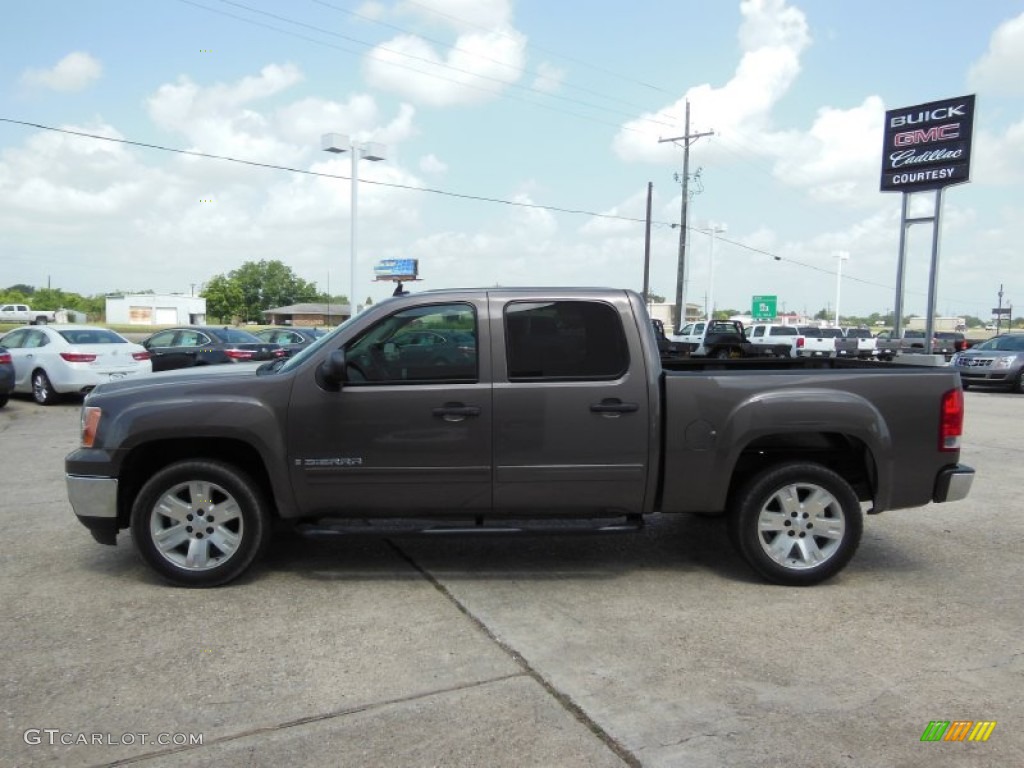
[200, 523]
[796, 524]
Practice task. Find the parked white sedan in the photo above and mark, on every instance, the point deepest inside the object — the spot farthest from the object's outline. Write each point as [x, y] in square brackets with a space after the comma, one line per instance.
[57, 359]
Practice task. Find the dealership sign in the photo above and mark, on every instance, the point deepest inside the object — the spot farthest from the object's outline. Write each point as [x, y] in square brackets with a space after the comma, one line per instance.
[928, 146]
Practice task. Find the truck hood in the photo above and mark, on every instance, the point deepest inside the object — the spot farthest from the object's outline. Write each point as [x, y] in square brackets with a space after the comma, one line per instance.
[205, 377]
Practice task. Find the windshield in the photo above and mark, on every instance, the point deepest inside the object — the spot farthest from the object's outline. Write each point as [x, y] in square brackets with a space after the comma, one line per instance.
[1004, 343]
[296, 360]
[92, 336]
[822, 333]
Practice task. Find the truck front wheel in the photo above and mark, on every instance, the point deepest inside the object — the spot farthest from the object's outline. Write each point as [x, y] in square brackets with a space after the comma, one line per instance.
[796, 524]
[200, 523]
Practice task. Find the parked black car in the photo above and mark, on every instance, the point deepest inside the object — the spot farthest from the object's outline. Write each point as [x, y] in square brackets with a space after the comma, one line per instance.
[6, 376]
[206, 345]
[292, 339]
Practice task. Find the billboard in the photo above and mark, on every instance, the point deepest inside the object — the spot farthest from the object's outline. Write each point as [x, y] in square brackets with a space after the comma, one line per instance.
[928, 146]
[396, 269]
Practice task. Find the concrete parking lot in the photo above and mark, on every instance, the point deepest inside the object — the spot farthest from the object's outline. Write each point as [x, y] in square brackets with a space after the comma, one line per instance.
[657, 648]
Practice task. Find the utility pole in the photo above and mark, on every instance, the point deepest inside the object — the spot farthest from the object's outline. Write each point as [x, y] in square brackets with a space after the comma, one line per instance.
[686, 138]
[999, 314]
[647, 246]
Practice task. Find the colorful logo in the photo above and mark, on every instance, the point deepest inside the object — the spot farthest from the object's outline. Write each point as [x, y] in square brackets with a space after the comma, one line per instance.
[958, 730]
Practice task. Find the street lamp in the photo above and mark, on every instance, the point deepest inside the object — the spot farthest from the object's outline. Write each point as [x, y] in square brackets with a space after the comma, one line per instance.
[841, 256]
[715, 229]
[338, 143]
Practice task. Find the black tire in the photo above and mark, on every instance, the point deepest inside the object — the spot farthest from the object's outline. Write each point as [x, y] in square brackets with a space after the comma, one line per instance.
[4, 399]
[201, 552]
[788, 501]
[42, 390]
[1018, 383]
[722, 354]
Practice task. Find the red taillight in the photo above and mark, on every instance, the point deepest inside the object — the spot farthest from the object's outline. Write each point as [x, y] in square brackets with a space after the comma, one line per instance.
[240, 354]
[961, 345]
[951, 426]
[5, 357]
[78, 357]
[282, 352]
[140, 356]
[799, 342]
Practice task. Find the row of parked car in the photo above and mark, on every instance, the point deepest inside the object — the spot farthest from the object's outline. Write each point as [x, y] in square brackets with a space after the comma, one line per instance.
[48, 361]
[812, 341]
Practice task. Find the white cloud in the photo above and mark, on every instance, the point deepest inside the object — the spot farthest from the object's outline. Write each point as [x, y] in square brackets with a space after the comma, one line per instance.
[999, 159]
[431, 164]
[1001, 68]
[773, 35]
[74, 72]
[486, 55]
[462, 14]
[549, 78]
[838, 158]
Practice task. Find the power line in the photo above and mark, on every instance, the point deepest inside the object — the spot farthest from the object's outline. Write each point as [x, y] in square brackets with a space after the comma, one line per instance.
[306, 172]
[494, 92]
[476, 54]
[595, 67]
[434, 191]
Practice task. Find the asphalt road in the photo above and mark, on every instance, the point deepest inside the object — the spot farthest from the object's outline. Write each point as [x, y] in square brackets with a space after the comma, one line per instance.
[657, 648]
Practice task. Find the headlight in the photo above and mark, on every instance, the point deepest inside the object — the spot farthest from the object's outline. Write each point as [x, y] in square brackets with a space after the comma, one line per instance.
[1003, 362]
[90, 425]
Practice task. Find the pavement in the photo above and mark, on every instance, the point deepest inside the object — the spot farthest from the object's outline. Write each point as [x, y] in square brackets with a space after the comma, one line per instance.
[657, 648]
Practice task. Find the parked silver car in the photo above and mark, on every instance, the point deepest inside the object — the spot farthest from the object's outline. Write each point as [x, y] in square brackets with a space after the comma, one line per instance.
[997, 362]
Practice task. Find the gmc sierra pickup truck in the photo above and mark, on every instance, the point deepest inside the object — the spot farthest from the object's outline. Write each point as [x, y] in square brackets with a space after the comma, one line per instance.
[552, 406]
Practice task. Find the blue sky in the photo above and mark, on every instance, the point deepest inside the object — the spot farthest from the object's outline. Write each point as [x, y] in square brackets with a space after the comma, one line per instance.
[547, 104]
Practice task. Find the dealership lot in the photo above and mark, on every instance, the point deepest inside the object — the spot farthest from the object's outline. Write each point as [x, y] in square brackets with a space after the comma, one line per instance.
[658, 648]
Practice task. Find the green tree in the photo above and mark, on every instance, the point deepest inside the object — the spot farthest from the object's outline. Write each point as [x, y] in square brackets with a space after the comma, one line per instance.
[11, 296]
[224, 298]
[24, 290]
[266, 284]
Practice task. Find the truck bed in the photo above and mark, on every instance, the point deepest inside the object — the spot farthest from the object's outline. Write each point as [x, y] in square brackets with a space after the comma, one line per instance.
[851, 415]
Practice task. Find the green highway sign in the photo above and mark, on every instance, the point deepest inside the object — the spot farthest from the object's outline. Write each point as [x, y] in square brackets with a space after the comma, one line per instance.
[763, 307]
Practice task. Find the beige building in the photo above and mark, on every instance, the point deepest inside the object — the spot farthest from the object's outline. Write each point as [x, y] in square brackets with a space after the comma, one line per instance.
[309, 315]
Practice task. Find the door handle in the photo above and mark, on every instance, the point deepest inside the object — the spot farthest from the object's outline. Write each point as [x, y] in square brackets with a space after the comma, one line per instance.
[456, 411]
[614, 405]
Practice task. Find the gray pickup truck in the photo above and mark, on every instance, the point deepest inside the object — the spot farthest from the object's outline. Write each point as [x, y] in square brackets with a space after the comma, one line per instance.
[506, 409]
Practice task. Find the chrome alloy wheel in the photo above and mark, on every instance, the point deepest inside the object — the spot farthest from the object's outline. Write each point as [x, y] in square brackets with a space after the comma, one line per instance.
[801, 526]
[196, 525]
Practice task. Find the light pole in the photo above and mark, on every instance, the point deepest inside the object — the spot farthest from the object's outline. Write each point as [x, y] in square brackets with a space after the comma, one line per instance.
[715, 229]
[338, 143]
[841, 256]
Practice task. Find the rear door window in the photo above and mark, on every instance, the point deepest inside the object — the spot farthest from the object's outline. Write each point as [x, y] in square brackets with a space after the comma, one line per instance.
[564, 340]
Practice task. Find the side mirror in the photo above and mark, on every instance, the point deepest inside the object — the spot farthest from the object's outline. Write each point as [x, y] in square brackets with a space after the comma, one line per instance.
[334, 370]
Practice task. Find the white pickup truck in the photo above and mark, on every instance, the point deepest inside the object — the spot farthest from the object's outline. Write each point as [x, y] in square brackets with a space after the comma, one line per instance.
[772, 335]
[819, 342]
[23, 313]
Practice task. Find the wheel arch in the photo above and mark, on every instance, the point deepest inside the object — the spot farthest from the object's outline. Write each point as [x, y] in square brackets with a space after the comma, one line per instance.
[145, 460]
[846, 455]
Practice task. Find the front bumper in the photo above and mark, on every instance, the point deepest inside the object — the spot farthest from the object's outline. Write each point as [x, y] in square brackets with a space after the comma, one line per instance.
[953, 483]
[94, 500]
